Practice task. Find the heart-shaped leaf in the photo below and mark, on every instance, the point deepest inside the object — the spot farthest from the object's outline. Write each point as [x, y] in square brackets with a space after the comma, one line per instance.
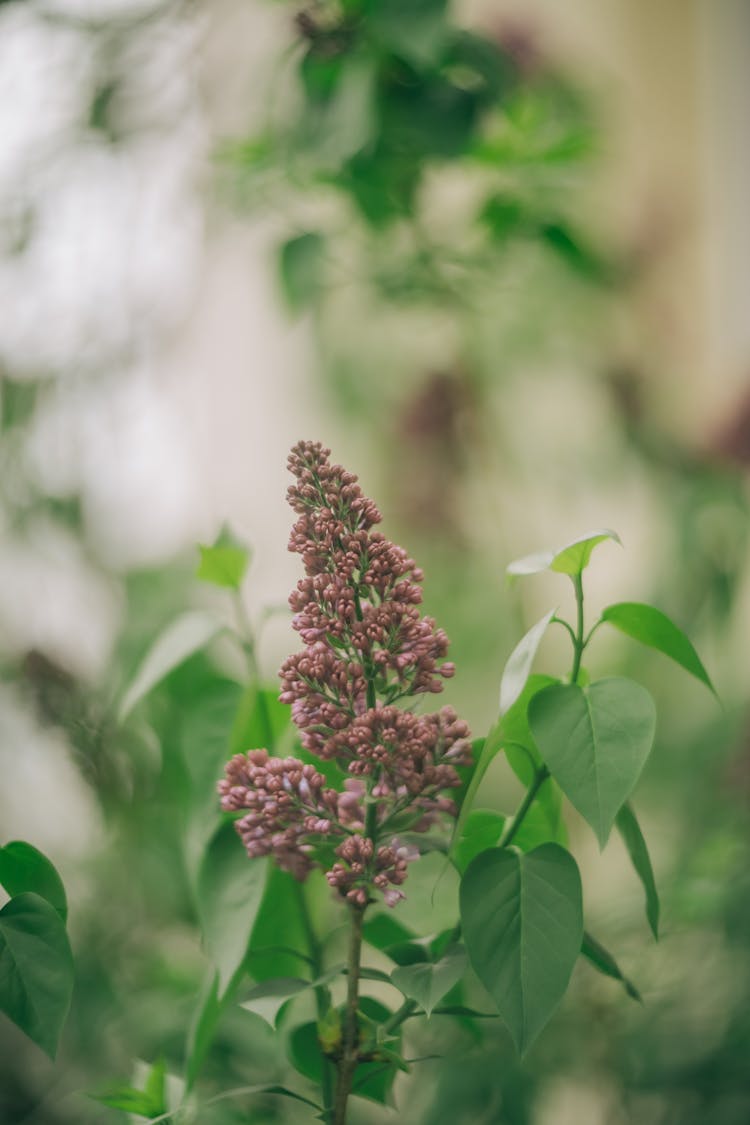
[522, 919]
[595, 742]
[651, 627]
[24, 868]
[36, 969]
[427, 983]
[183, 638]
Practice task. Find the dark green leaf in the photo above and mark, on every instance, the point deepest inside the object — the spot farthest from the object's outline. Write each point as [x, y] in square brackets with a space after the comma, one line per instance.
[36, 969]
[301, 263]
[630, 830]
[230, 890]
[522, 919]
[519, 663]
[383, 930]
[428, 983]
[571, 559]
[183, 638]
[604, 962]
[224, 563]
[415, 31]
[24, 868]
[595, 741]
[651, 627]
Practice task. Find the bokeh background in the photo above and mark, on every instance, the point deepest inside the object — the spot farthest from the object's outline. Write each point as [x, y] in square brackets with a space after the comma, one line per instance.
[505, 275]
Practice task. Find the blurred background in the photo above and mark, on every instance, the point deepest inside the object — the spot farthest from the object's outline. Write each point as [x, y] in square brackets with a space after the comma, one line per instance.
[496, 255]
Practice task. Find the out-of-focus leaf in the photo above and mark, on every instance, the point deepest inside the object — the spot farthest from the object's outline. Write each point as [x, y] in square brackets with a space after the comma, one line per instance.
[24, 868]
[651, 627]
[595, 741]
[604, 962]
[522, 919]
[230, 890]
[225, 562]
[416, 31]
[630, 830]
[301, 264]
[149, 1102]
[36, 969]
[184, 637]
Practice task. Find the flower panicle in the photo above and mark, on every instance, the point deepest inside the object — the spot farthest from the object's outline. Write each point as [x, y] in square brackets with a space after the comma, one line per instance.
[366, 650]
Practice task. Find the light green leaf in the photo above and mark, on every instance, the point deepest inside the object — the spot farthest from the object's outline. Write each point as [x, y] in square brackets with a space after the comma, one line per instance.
[651, 627]
[149, 1103]
[519, 663]
[224, 563]
[427, 983]
[570, 559]
[604, 962]
[36, 969]
[301, 263]
[183, 638]
[595, 741]
[230, 891]
[24, 868]
[630, 830]
[522, 919]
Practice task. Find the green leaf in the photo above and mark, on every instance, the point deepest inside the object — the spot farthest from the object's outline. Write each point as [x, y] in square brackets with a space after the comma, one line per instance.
[383, 931]
[36, 969]
[482, 829]
[604, 962]
[204, 742]
[224, 563]
[595, 741]
[571, 559]
[428, 983]
[630, 830]
[522, 919]
[128, 1099]
[203, 1027]
[416, 31]
[267, 998]
[149, 1102]
[301, 264]
[651, 627]
[230, 890]
[24, 868]
[519, 663]
[183, 638]
[279, 943]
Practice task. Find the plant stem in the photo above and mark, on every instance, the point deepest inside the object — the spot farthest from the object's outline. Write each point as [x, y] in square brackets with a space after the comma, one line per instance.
[350, 1038]
[579, 642]
[399, 1016]
[322, 995]
[540, 777]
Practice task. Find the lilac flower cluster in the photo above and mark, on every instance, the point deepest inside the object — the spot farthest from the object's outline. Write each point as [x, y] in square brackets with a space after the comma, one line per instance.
[366, 649]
